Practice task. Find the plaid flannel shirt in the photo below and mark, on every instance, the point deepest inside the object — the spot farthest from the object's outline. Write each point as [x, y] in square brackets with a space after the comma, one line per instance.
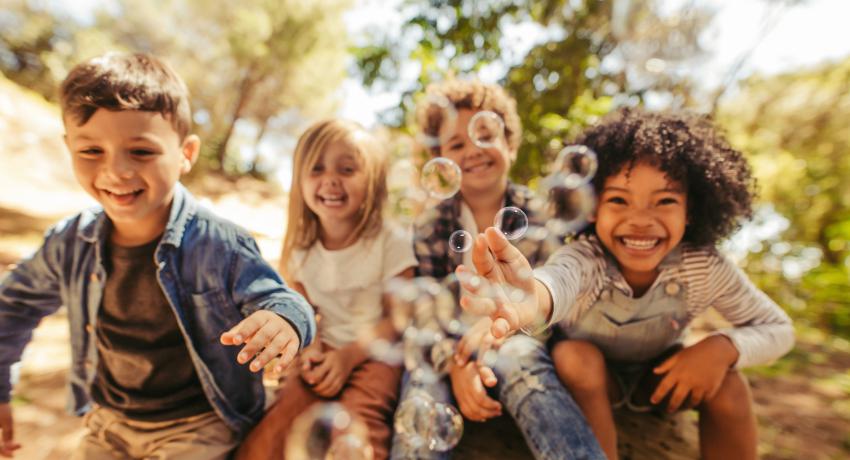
[434, 227]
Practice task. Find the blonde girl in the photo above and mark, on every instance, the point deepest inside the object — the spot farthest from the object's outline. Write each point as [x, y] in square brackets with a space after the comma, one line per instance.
[338, 251]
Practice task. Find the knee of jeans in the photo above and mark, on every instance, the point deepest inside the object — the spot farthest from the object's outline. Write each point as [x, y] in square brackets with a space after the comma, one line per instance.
[520, 355]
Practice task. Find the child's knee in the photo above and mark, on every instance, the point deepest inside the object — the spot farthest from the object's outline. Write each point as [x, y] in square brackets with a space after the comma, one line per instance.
[732, 399]
[579, 364]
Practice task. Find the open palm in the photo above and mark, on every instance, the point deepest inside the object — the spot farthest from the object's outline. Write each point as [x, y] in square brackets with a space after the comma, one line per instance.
[504, 288]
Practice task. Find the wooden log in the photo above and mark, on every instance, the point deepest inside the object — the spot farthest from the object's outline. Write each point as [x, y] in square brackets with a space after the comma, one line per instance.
[649, 436]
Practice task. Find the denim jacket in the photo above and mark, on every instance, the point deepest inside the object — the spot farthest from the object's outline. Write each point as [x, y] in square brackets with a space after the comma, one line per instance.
[211, 272]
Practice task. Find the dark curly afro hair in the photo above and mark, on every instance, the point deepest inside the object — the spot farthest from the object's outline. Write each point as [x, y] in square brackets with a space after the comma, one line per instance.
[688, 149]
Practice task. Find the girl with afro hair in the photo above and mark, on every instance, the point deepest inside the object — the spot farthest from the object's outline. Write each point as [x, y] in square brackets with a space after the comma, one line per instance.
[620, 296]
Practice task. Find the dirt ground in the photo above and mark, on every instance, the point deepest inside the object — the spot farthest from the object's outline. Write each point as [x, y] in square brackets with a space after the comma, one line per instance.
[802, 401]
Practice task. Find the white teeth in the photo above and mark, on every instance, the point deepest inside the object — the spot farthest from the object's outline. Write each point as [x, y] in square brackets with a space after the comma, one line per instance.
[640, 243]
[477, 167]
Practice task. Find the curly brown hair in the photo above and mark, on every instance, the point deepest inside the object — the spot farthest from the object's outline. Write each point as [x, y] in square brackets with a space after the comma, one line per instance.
[473, 95]
[688, 149]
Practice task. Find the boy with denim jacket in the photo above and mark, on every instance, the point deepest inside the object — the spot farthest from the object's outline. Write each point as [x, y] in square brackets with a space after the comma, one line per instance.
[151, 282]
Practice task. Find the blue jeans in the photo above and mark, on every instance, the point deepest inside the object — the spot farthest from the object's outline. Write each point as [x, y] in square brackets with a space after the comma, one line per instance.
[547, 416]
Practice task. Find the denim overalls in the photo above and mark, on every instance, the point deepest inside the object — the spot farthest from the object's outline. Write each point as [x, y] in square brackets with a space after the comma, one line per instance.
[635, 334]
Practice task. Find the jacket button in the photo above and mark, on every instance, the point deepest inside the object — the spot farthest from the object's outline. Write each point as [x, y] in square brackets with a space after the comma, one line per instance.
[672, 288]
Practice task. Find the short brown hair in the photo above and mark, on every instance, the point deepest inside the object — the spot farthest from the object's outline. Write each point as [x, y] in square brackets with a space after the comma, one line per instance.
[116, 82]
[472, 95]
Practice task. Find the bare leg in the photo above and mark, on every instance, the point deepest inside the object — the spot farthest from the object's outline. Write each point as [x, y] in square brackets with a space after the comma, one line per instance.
[581, 368]
[727, 425]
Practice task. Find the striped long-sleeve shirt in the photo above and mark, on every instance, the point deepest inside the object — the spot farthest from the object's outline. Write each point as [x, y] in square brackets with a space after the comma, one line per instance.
[576, 275]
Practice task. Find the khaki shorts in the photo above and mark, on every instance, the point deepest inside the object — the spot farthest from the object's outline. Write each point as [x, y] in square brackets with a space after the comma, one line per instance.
[111, 435]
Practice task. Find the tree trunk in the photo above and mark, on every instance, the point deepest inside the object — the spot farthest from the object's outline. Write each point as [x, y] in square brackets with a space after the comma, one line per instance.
[245, 89]
[264, 123]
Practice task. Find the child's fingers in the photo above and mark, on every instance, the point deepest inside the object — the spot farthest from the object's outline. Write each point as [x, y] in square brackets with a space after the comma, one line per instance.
[664, 387]
[240, 333]
[463, 352]
[697, 395]
[484, 401]
[506, 320]
[287, 355]
[479, 306]
[271, 350]
[500, 328]
[488, 377]
[310, 359]
[324, 386]
[679, 395]
[257, 342]
[483, 260]
[667, 364]
[319, 373]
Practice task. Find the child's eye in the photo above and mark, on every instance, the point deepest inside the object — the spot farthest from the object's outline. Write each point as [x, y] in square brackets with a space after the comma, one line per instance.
[665, 201]
[317, 169]
[141, 152]
[90, 152]
[616, 200]
[456, 146]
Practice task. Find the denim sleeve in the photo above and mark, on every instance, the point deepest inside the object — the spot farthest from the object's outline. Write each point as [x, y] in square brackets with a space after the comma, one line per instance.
[28, 293]
[257, 286]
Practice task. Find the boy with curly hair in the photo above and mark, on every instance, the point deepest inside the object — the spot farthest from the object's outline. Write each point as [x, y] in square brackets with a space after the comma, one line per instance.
[621, 295]
[522, 380]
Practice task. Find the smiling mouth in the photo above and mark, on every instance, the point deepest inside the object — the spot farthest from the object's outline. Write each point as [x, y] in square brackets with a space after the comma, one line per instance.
[333, 201]
[478, 167]
[639, 244]
[123, 196]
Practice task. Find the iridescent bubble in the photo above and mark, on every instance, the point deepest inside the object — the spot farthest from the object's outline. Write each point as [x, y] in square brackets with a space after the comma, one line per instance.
[485, 129]
[447, 428]
[413, 419]
[567, 209]
[460, 241]
[441, 178]
[328, 431]
[441, 355]
[576, 165]
[439, 121]
[512, 222]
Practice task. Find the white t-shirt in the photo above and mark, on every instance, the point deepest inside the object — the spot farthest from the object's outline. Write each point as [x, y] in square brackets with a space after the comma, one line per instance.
[346, 285]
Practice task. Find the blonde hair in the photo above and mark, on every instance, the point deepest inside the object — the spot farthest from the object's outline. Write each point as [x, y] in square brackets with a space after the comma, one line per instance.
[303, 225]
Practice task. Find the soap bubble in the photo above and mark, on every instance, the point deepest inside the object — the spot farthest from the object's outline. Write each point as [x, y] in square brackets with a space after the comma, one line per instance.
[485, 129]
[567, 209]
[440, 121]
[328, 431]
[441, 178]
[575, 166]
[512, 222]
[460, 241]
[413, 419]
[422, 422]
[446, 429]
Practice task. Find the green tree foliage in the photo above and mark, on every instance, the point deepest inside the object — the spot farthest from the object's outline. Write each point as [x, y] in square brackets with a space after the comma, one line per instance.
[245, 62]
[561, 84]
[795, 128]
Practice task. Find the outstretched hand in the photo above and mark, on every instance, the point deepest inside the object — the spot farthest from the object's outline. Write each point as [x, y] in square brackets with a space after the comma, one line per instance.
[266, 335]
[504, 288]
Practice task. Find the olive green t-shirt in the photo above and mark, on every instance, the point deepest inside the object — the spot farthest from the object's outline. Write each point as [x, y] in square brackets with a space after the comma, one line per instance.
[144, 368]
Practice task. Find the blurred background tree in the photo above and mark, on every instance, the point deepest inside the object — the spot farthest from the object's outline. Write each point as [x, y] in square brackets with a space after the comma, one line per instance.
[794, 129]
[260, 70]
[250, 62]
